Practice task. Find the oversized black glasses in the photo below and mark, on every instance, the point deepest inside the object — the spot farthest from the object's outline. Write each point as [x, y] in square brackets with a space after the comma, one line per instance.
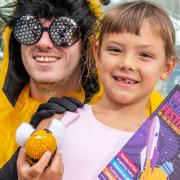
[63, 31]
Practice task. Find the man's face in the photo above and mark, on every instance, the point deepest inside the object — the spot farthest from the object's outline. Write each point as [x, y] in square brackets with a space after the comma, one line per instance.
[47, 63]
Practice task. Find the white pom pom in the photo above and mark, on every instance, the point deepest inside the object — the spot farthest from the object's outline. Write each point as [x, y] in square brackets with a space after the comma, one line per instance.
[23, 132]
[57, 128]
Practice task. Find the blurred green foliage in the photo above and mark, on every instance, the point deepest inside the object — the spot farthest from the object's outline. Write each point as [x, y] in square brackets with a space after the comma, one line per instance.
[6, 9]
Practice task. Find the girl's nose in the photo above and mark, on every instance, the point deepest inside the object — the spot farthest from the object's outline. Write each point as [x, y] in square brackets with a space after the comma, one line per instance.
[127, 62]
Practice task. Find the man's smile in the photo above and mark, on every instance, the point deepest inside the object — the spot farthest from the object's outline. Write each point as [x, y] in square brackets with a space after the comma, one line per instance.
[45, 59]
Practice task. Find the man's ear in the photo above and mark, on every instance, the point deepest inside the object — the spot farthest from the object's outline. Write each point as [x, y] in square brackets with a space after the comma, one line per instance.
[96, 53]
[168, 68]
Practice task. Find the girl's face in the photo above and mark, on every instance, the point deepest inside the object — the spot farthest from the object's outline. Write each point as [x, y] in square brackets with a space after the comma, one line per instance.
[130, 65]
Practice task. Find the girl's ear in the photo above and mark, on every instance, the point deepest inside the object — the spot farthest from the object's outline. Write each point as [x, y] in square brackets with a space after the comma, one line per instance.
[168, 68]
[96, 53]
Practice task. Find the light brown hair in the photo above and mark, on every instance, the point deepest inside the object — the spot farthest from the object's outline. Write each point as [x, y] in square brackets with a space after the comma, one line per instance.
[129, 17]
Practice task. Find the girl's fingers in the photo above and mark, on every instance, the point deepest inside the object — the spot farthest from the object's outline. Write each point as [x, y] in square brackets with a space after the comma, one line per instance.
[57, 163]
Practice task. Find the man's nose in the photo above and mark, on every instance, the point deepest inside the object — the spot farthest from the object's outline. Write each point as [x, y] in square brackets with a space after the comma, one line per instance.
[45, 41]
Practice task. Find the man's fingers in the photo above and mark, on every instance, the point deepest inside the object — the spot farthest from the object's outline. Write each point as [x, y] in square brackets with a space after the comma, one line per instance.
[22, 158]
[25, 171]
[77, 102]
[23, 166]
[55, 105]
[51, 106]
[42, 163]
[68, 105]
[37, 117]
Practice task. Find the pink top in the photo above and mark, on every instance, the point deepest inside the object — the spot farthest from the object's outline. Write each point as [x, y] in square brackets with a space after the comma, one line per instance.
[87, 145]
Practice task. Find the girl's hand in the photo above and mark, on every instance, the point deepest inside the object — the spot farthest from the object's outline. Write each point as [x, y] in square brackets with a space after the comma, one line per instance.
[38, 171]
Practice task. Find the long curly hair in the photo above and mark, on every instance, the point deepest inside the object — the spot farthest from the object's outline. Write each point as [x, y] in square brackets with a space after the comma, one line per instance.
[75, 9]
[79, 10]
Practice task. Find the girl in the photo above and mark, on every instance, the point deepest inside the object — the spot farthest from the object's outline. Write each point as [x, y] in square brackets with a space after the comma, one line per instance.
[134, 50]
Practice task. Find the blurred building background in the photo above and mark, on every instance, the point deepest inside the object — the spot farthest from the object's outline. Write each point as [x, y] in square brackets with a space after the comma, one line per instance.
[173, 9]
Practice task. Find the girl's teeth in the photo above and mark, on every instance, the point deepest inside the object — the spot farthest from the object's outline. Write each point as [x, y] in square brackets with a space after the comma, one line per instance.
[127, 81]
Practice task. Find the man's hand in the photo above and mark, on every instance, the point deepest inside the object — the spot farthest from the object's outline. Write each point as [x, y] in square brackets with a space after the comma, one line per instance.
[55, 106]
[39, 171]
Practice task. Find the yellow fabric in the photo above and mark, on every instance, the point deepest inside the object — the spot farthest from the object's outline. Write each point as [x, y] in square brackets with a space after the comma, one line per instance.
[0, 64]
[155, 99]
[12, 117]
[5, 62]
[95, 7]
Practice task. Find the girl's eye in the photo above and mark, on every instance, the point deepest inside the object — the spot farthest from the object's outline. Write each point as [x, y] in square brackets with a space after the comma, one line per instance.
[114, 49]
[145, 55]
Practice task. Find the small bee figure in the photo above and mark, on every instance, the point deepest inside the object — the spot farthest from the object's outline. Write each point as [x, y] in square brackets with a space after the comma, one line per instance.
[37, 142]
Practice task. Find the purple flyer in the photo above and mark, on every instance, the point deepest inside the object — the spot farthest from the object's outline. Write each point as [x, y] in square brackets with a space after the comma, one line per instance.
[153, 153]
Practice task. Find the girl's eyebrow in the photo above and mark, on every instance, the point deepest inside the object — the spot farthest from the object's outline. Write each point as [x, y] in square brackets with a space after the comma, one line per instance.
[138, 46]
[144, 46]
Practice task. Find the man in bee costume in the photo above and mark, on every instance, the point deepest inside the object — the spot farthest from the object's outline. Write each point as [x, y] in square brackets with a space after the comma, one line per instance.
[44, 40]
[43, 57]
